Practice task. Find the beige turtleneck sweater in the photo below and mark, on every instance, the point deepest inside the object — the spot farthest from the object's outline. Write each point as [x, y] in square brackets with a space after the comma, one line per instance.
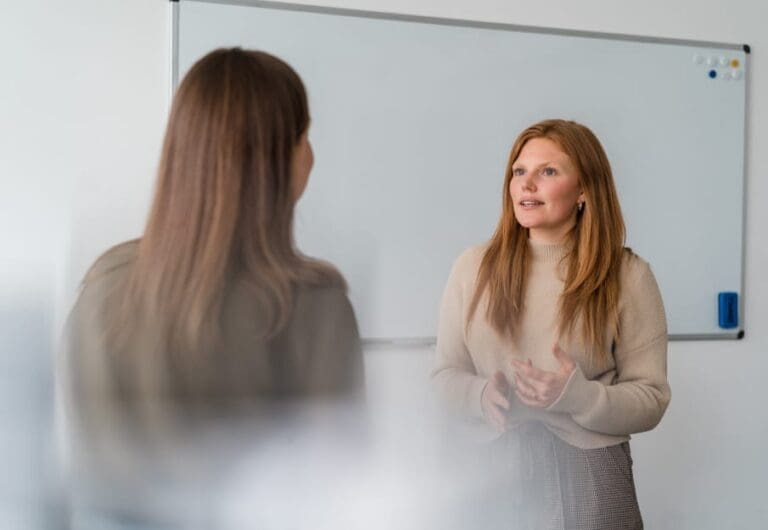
[600, 405]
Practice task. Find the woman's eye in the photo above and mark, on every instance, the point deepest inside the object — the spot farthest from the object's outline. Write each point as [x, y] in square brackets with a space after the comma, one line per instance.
[518, 171]
[548, 171]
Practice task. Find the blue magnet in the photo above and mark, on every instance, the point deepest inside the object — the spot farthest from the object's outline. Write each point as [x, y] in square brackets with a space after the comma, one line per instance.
[713, 74]
[728, 310]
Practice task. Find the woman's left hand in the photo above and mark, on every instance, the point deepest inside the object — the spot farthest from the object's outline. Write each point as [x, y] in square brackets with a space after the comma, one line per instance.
[540, 388]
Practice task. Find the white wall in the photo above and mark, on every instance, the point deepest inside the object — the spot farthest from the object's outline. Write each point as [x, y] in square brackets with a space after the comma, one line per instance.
[83, 99]
[82, 108]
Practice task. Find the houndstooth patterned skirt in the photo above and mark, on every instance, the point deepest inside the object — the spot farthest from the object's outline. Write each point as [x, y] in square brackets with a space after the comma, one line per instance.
[543, 483]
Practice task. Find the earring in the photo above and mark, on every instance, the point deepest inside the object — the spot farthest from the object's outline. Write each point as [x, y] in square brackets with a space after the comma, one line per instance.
[580, 206]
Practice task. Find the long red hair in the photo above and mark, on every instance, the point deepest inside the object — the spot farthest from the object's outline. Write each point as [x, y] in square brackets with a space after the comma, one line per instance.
[591, 291]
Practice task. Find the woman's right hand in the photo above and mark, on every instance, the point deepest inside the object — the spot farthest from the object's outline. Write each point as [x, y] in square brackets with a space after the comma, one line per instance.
[494, 401]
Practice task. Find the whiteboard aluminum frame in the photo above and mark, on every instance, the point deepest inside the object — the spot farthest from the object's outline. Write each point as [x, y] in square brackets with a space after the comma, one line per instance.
[431, 341]
[174, 45]
[383, 15]
[356, 13]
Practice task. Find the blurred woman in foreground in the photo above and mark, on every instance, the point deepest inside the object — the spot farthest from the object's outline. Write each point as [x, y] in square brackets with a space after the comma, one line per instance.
[213, 313]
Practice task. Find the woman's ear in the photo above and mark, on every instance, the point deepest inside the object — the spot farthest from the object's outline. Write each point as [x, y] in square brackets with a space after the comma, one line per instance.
[301, 165]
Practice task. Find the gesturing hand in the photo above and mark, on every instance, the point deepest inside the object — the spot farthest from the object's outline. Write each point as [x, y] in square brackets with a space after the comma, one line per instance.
[494, 401]
[540, 388]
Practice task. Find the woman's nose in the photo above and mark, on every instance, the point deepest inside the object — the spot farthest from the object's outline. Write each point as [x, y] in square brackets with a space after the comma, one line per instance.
[528, 184]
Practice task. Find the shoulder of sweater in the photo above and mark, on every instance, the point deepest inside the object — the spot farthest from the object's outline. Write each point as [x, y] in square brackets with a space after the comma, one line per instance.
[318, 308]
[468, 262]
[115, 259]
[637, 281]
[322, 302]
[633, 266]
[321, 293]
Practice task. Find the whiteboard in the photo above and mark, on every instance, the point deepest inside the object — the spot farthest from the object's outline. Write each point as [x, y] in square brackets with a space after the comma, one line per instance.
[413, 119]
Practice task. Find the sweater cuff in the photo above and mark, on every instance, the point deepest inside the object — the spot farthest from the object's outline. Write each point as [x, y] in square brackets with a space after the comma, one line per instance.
[578, 395]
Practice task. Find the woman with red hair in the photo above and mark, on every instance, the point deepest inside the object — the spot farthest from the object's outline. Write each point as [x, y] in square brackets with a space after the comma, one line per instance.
[554, 335]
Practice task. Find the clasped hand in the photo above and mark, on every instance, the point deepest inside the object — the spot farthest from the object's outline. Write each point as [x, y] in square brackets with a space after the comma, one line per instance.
[540, 388]
[533, 387]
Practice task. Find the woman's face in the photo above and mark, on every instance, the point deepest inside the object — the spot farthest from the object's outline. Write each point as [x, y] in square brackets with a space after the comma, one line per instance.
[545, 190]
[303, 159]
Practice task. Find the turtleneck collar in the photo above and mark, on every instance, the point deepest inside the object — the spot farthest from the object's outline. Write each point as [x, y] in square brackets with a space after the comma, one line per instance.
[548, 252]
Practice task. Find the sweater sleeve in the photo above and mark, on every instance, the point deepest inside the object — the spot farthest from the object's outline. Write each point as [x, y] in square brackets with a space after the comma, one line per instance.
[326, 334]
[639, 394]
[454, 376]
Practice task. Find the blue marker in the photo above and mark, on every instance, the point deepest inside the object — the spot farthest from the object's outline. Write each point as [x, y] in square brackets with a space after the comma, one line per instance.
[713, 74]
[728, 310]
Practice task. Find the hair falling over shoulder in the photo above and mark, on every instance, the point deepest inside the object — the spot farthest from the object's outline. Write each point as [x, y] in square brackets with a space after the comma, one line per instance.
[223, 204]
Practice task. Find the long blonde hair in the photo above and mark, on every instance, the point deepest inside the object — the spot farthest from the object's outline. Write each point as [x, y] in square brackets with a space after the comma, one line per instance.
[223, 203]
[591, 290]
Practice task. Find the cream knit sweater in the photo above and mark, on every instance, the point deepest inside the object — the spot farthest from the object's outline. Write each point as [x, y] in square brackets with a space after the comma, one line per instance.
[600, 405]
